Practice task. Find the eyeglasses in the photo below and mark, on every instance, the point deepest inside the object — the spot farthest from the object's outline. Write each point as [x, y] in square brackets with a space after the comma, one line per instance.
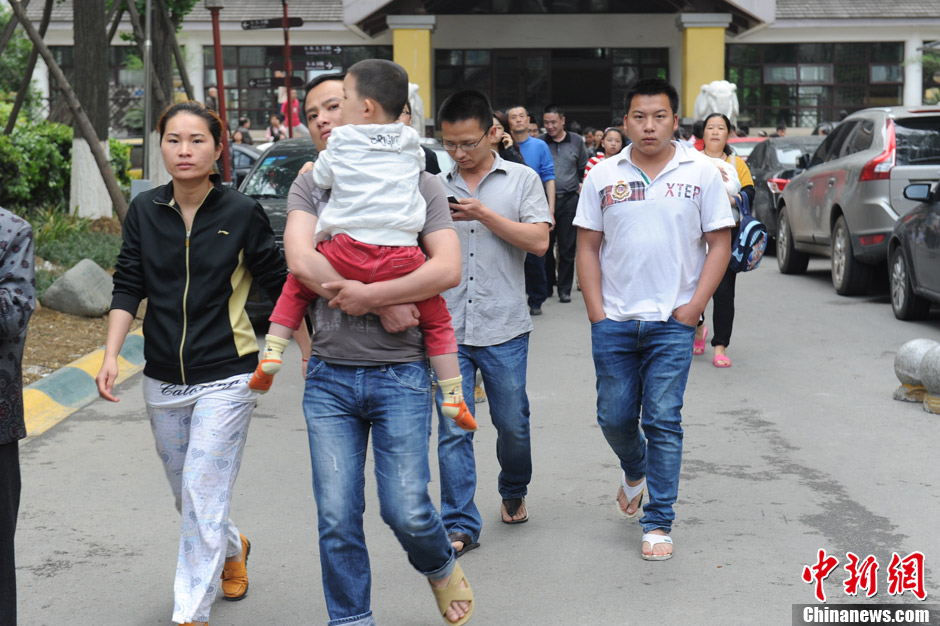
[466, 147]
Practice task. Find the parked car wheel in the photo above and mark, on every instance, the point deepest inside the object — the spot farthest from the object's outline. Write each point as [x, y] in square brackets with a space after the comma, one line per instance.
[850, 276]
[906, 304]
[789, 259]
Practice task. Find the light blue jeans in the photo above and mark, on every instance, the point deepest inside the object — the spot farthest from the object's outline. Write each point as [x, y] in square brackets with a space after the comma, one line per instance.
[644, 365]
[503, 367]
[342, 404]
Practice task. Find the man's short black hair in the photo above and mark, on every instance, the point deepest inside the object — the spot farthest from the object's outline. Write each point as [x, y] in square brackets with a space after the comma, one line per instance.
[319, 80]
[243, 120]
[653, 87]
[532, 120]
[384, 82]
[553, 108]
[465, 105]
[781, 127]
[617, 122]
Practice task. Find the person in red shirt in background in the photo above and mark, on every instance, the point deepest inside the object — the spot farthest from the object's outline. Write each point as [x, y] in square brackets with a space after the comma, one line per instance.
[293, 120]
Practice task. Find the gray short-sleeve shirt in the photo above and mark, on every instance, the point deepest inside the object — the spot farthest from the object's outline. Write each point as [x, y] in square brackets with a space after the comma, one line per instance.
[489, 306]
[345, 339]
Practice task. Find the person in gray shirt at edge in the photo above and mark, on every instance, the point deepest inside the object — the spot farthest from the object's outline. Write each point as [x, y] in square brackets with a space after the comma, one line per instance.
[570, 158]
[501, 213]
[17, 303]
[368, 376]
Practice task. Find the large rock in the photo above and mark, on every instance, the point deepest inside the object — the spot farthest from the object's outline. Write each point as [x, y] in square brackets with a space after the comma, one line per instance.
[907, 369]
[83, 290]
[930, 375]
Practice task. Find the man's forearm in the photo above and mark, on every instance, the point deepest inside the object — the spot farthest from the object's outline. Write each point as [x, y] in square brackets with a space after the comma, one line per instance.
[529, 237]
[304, 261]
[313, 269]
[716, 264]
[589, 272]
[550, 195]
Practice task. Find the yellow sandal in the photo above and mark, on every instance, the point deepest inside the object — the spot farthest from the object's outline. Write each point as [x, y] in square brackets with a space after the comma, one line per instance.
[453, 592]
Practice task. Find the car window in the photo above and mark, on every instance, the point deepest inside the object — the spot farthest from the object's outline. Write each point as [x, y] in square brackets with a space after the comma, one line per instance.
[242, 160]
[860, 139]
[787, 156]
[829, 149]
[918, 140]
[757, 158]
[275, 175]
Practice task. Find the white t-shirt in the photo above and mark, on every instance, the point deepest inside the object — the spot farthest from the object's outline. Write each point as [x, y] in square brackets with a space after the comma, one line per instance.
[372, 171]
[653, 249]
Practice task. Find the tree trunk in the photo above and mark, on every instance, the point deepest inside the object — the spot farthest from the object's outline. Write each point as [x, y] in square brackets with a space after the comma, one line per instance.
[81, 120]
[164, 12]
[9, 28]
[28, 74]
[161, 80]
[88, 195]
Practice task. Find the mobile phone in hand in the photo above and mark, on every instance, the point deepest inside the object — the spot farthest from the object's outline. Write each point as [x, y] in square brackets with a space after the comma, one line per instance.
[452, 200]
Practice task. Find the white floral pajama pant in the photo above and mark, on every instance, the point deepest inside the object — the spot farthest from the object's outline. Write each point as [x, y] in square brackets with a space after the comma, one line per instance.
[201, 447]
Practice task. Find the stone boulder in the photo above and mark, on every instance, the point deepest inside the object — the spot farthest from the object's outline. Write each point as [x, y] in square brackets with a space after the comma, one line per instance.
[907, 368]
[83, 290]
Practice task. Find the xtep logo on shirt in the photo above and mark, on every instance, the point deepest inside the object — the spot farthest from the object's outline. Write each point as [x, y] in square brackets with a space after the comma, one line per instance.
[622, 191]
[682, 190]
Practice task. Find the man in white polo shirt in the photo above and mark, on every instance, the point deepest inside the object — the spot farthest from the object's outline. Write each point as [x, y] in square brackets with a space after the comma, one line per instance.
[644, 218]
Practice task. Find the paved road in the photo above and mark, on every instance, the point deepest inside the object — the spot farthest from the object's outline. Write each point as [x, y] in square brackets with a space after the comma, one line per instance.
[797, 447]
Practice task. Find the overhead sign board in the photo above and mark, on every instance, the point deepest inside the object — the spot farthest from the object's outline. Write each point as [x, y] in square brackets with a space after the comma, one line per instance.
[275, 22]
[312, 51]
[295, 81]
[309, 64]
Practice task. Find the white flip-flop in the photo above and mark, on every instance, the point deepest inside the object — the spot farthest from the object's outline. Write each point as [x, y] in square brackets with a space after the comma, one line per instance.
[631, 493]
[654, 539]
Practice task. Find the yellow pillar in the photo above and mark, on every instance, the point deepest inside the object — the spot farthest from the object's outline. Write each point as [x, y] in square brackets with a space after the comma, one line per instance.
[411, 41]
[703, 54]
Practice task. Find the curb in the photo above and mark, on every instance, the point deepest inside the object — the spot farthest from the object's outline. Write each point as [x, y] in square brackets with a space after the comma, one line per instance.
[48, 401]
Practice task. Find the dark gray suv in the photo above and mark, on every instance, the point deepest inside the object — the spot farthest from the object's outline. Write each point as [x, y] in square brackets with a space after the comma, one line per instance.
[845, 203]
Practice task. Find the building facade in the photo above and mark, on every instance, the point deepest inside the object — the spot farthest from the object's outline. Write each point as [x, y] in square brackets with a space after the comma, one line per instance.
[794, 62]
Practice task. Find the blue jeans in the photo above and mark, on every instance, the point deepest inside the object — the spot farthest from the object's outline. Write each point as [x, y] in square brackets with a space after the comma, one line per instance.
[503, 368]
[644, 364]
[342, 404]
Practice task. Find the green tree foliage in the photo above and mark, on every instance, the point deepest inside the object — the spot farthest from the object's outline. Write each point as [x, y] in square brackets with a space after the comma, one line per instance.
[36, 165]
[12, 62]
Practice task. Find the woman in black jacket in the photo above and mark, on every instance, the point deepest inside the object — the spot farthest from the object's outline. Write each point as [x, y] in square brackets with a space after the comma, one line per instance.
[192, 247]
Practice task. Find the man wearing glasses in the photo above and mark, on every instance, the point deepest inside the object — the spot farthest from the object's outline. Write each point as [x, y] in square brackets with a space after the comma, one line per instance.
[500, 214]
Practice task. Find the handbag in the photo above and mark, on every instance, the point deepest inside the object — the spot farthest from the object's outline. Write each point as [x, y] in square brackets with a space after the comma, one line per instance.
[748, 247]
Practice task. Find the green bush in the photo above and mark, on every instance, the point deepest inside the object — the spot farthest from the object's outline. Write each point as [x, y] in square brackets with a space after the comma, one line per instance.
[44, 280]
[35, 165]
[65, 240]
[121, 163]
[102, 248]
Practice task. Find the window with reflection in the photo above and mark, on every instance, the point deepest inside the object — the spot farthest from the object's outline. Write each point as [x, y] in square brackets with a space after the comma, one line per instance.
[806, 84]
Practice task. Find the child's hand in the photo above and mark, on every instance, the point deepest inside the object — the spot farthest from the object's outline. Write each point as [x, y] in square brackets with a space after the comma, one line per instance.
[397, 318]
